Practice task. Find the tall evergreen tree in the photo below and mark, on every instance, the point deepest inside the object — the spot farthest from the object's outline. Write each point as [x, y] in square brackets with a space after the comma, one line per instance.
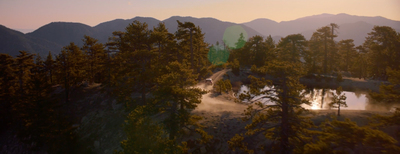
[95, 58]
[280, 119]
[292, 47]
[8, 88]
[49, 67]
[70, 63]
[339, 100]
[178, 97]
[382, 45]
[324, 33]
[314, 55]
[347, 54]
[24, 64]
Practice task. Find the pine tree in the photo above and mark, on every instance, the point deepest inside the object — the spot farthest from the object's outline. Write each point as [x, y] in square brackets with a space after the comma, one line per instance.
[146, 136]
[314, 55]
[339, 100]
[256, 51]
[95, 57]
[279, 120]
[176, 94]
[41, 123]
[389, 94]
[8, 88]
[333, 55]
[49, 67]
[70, 63]
[292, 47]
[347, 137]
[382, 46]
[24, 64]
[347, 54]
[133, 71]
[191, 44]
[323, 34]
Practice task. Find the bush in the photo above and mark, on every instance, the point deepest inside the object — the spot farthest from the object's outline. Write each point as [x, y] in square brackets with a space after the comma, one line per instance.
[339, 77]
[235, 67]
[223, 85]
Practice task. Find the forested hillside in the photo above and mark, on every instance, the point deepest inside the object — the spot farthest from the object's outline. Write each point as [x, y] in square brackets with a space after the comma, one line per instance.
[153, 73]
[53, 36]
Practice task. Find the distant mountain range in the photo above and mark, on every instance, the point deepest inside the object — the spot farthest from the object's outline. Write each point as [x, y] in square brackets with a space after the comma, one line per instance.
[53, 36]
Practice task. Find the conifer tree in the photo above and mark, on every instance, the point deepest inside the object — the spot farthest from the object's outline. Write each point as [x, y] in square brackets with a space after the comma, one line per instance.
[292, 47]
[146, 136]
[382, 46]
[8, 88]
[24, 64]
[95, 57]
[49, 67]
[333, 55]
[280, 119]
[323, 34]
[314, 55]
[133, 63]
[347, 137]
[339, 100]
[178, 98]
[347, 53]
[41, 123]
[191, 44]
[70, 63]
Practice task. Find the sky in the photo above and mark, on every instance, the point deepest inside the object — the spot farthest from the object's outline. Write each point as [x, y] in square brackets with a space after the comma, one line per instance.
[32, 14]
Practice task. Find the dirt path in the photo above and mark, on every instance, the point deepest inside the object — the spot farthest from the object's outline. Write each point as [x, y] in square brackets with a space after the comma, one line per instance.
[217, 103]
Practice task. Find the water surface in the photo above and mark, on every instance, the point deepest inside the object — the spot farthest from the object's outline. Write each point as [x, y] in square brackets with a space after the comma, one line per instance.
[320, 99]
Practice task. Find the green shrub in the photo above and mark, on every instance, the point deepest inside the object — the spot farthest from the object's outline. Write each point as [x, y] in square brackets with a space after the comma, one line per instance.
[339, 77]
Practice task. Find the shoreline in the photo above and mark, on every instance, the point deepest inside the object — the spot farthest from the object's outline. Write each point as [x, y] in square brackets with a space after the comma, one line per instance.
[348, 84]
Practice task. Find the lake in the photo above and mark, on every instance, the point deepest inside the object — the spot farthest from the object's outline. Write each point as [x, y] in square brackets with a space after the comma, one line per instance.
[320, 98]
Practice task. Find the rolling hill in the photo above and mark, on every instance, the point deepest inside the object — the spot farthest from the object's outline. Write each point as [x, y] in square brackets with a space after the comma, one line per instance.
[55, 35]
[351, 27]
[12, 41]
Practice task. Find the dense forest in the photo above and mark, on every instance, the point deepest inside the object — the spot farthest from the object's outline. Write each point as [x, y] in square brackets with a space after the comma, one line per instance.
[154, 72]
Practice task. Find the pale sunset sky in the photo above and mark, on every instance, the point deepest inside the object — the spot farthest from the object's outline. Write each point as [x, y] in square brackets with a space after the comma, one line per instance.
[32, 14]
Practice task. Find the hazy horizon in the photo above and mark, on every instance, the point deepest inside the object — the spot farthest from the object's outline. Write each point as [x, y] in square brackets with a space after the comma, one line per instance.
[30, 15]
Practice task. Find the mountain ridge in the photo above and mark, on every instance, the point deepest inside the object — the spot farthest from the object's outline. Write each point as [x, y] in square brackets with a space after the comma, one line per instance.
[54, 35]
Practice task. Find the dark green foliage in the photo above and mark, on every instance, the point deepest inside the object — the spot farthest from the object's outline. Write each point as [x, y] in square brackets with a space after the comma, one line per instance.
[339, 78]
[347, 54]
[32, 111]
[223, 86]
[382, 46]
[390, 93]
[49, 66]
[347, 137]
[70, 63]
[235, 67]
[8, 84]
[94, 59]
[146, 136]
[339, 100]
[218, 55]
[192, 50]
[256, 51]
[291, 48]
[281, 120]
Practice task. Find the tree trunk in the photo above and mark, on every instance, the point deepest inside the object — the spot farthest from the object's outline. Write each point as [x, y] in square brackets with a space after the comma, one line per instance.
[325, 57]
[285, 123]
[191, 48]
[173, 123]
[338, 112]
